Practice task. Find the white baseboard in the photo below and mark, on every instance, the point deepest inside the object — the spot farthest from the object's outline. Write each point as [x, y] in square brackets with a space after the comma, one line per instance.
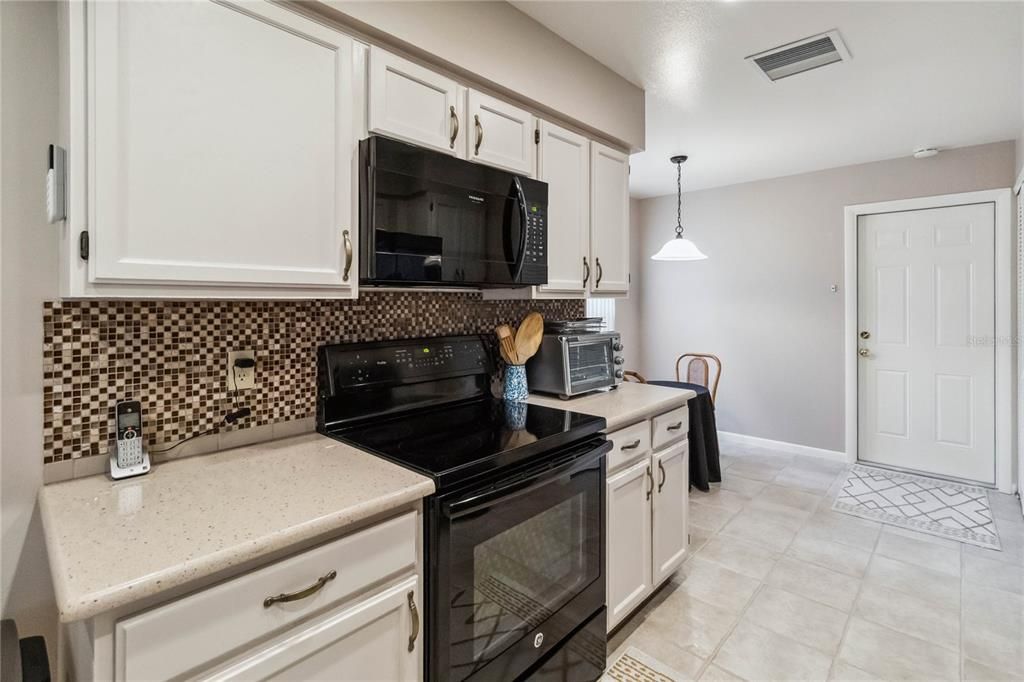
[728, 438]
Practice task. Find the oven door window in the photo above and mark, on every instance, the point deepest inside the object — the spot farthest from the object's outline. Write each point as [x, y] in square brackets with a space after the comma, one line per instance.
[590, 364]
[516, 561]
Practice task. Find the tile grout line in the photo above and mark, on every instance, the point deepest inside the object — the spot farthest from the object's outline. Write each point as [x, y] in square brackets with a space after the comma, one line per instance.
[853, 607]
[760, 588]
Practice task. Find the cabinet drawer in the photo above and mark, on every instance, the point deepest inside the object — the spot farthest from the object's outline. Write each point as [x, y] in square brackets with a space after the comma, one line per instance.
[670, 427]
[176, 638]
[628, 444]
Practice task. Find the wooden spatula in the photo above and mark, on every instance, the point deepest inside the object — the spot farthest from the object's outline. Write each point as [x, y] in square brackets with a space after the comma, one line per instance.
[529, 336]
[506, 339]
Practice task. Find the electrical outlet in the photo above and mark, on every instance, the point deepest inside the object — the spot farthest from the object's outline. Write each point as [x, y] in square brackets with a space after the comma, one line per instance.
[241, 378]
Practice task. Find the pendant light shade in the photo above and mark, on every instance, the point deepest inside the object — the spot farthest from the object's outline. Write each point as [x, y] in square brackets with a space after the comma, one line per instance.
[679, 248]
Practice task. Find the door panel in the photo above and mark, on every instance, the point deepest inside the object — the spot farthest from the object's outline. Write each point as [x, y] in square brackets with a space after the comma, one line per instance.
[671, 504]
[221, 145]
[609, 220]
[411, 103]
[501, 135]
[564, 163]
[926, 300]
[629, 540]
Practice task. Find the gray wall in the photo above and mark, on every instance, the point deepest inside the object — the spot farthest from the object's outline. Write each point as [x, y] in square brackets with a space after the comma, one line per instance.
[28, 266]
[762, 300]
[627, 311]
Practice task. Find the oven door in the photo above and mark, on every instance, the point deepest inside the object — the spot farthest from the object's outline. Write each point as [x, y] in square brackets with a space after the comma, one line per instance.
[590, 362]
[517, 566]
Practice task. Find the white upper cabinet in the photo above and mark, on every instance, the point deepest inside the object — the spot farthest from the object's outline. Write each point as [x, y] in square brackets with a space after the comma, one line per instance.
[564, 163]
[412, 103]
[500, 134]
[609, 220]
[221, 151]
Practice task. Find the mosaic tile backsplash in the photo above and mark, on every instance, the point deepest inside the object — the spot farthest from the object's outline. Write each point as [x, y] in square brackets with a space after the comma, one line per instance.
[172, 356]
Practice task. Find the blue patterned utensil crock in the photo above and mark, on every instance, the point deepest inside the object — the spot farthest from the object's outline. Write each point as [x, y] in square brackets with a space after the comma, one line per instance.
[515, 384]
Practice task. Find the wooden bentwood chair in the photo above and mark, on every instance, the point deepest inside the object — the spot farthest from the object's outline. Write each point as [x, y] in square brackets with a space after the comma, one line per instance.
[698, 371]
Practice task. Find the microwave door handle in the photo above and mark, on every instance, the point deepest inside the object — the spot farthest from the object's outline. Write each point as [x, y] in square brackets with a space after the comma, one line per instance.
[521, 259]
[543, 477]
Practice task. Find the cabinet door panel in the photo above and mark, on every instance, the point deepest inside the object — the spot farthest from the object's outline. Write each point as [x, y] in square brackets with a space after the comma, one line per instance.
[564, 163]
[500, 134]
[671, 497]
[221, 145]
[412, 103]
[365, 642]
[609, 220]
[629, 540]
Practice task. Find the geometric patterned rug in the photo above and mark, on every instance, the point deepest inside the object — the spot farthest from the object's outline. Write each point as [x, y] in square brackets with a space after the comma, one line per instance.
[636, 666]
[949, 510]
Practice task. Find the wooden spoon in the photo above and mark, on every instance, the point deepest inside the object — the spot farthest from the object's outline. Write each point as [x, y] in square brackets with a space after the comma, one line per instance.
[529, 336]
[507, 343]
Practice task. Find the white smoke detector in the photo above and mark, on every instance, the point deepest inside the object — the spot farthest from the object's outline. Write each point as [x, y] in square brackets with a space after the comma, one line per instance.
[925, 153]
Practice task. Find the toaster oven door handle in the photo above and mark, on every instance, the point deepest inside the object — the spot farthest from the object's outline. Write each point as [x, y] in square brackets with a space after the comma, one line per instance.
[513, 489]
[521, 260]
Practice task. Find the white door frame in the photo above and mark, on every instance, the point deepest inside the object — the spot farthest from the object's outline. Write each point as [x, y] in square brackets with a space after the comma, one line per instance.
[1004, 288]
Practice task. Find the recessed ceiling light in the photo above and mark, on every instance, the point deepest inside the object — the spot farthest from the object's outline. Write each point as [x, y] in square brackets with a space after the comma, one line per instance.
[925, 153]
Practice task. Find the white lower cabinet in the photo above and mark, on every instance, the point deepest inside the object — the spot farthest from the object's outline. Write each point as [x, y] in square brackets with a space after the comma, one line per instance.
[628, 539]
[347, 610]
[377, 639]
[647, 524]
[670, 500]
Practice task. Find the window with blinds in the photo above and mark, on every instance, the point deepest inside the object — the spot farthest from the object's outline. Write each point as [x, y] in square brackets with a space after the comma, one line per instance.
[603, 308]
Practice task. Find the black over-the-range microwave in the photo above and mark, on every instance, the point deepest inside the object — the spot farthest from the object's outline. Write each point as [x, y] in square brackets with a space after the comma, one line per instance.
[429, 219]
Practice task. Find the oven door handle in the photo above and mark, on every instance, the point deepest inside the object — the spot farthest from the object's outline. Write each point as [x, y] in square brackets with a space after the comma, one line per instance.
[521, 196]
[519, 487]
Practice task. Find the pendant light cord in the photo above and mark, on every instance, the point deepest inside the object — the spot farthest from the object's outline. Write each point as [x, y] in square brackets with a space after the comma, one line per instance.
[679, 200]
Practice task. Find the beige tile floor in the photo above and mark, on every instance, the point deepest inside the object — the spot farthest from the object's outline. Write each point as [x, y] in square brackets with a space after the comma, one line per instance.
[780, 587]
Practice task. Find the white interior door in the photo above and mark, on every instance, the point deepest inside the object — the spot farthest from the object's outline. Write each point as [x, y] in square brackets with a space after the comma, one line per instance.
[926, 322]
[221, 145]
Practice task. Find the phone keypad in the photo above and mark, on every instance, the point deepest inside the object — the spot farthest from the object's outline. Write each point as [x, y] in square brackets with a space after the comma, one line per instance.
[129, 450]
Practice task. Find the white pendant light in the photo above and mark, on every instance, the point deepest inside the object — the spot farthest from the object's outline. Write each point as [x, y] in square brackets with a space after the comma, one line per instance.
[678, 248]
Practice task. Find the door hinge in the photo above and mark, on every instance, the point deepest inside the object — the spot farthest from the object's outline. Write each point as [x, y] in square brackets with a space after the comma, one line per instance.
[83, 245]
[536, 135]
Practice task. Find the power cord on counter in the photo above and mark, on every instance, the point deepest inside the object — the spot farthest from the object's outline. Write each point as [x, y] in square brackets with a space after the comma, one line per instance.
[229, 419]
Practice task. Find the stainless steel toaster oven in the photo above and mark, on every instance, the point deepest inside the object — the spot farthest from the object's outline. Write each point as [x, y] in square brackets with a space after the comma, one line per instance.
[571, 364]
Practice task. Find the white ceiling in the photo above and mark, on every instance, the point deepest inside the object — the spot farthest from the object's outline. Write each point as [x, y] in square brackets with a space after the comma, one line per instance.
[923, 74]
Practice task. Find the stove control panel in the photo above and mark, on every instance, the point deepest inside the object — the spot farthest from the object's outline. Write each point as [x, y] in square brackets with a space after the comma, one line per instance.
[404, 362]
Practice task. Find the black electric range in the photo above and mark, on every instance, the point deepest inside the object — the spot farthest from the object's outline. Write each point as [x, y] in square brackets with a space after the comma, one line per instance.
[514, 535]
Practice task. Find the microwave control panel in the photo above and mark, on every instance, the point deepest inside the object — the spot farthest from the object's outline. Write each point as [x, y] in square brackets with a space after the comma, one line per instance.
[535, 263]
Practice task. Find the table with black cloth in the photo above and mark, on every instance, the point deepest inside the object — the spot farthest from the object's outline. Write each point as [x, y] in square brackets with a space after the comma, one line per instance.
[705, 467]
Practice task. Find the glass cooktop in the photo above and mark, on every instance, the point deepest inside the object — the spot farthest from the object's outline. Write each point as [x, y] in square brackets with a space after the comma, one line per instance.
[455, 443]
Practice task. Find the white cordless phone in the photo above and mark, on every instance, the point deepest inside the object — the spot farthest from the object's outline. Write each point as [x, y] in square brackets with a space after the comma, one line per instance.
[129, 460]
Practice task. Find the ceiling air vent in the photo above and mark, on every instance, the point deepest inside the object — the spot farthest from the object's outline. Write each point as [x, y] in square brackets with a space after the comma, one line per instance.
[803, 55]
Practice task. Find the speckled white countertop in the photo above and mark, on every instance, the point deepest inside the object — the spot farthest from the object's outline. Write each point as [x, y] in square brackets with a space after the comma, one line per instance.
[627, 404]
[112, 543]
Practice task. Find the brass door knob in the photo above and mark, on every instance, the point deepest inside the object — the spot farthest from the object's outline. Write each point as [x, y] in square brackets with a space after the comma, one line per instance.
[863, 352]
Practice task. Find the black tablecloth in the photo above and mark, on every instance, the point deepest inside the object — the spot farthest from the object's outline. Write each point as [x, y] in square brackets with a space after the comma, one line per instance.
[705, 467]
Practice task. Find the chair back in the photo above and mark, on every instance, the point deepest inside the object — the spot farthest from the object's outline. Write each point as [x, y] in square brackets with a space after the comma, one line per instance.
[699, 371]
[636, 377]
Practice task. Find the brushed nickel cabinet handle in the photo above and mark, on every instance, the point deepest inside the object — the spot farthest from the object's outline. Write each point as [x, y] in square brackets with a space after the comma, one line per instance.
[414, 612]
[600, 273]
[650, 477]
[586, 271]
[632, 446]
[674, 427]
[661, 470]
[479, 134]
[301, 594]
[455, 132]
[348, 255]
